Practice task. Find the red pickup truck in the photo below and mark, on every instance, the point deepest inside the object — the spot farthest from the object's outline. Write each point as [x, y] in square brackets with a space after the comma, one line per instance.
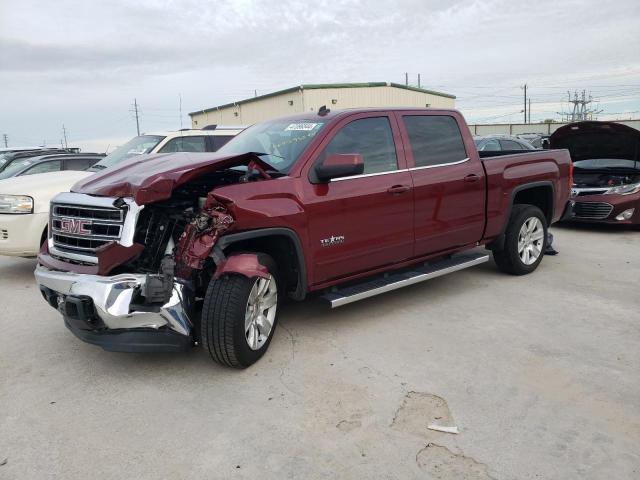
[180, 249]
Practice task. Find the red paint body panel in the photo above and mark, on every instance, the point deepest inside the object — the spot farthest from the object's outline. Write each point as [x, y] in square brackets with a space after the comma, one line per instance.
[246, 264]
[620, 203]
[109, 256]
[154, 177]
[367, 224]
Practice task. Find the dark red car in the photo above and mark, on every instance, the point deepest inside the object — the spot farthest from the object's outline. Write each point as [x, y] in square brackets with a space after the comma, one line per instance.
[172, 250]
[606, 161]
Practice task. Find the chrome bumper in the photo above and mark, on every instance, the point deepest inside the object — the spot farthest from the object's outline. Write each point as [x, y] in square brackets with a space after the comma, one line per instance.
[112, 298]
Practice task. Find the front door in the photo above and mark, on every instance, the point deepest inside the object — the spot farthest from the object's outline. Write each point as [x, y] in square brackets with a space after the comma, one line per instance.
[365, 221]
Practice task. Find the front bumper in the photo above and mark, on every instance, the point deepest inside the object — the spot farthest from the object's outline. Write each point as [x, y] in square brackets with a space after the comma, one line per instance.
[615, 205]
[21, 235]
[107, 311]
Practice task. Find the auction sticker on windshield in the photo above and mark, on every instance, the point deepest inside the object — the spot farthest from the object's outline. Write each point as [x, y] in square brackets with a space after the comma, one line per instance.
[304, 127]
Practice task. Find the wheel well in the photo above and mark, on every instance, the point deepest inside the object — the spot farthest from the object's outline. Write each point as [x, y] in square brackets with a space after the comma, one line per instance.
[44, 236]
[540, 196]
[281, 248]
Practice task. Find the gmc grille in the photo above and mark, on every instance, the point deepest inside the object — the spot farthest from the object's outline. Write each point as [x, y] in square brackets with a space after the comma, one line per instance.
[592, 210]
[83, 229]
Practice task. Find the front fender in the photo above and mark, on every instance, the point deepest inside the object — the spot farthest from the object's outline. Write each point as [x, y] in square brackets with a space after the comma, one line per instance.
[246, 264]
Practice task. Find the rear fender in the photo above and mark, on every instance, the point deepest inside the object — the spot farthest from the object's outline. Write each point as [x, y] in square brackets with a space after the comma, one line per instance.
[246, 264]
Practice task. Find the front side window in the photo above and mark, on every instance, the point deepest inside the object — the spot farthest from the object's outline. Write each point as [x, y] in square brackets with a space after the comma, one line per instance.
[218, 141]
[136, 146]
[44, 167]
[434, 139]
[370, 137]
[185, 144]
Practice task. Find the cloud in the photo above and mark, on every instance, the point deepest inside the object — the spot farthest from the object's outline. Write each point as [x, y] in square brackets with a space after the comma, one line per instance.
[84, 62]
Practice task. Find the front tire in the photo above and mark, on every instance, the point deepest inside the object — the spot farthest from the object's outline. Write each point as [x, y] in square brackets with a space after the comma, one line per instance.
[239, 316]
[525, 241]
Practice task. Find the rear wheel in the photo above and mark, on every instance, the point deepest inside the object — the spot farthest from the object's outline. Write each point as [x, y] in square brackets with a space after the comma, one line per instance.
[239, 316]
[525, 241]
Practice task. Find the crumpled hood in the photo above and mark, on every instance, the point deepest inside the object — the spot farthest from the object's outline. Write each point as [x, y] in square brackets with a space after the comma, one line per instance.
[152, 178]
[593, 140]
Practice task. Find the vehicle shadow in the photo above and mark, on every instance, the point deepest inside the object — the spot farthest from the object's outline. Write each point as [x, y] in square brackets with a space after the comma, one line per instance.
[596, 227]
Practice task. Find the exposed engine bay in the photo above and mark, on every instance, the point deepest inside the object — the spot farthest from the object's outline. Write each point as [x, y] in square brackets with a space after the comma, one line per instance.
[582, 179]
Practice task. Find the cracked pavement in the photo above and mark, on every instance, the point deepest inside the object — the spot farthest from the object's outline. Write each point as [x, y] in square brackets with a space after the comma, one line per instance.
[539, 373]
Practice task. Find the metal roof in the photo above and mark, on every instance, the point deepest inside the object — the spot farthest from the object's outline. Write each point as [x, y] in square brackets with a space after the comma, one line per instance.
[320, 86]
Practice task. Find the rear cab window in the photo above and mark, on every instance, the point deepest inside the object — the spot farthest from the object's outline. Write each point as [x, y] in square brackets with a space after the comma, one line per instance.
[435, 140]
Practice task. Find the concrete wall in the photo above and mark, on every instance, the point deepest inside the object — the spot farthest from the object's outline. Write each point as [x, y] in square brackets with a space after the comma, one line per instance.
[517, 128]
[311, 99]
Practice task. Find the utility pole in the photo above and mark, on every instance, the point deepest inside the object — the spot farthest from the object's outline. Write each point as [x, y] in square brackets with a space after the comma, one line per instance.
[5, 138]
[406, 79]
[180, 95]
[64, 135]
[135, 109]
[529, 109]
[525, 103]
[419, 86]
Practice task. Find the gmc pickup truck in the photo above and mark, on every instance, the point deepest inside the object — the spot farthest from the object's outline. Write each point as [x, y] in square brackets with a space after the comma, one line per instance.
[175, 250]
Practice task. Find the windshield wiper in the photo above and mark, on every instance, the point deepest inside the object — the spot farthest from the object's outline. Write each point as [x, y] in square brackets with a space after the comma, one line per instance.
[96, 167]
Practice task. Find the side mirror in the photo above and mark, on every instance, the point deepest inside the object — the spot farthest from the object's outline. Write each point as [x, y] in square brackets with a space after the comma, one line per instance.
[340, 165]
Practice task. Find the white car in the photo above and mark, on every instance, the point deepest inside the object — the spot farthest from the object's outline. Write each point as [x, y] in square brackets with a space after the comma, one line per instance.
[24, 201]
[24, 209]
[209, 139]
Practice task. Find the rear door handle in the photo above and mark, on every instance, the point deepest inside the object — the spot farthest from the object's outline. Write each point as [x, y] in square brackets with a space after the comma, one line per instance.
[398, 189]
[471, 178]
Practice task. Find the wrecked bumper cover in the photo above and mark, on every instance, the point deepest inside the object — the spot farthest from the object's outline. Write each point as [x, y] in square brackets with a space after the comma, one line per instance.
[105, 311]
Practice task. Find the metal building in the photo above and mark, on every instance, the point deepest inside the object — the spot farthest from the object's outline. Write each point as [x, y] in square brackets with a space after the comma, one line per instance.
[311, 97]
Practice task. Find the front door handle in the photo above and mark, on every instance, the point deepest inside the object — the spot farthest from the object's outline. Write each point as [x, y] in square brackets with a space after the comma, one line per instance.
[398, 189]
[471, 178]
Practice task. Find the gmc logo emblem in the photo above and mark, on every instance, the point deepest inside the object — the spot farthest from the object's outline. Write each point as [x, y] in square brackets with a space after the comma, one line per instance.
[75, 226]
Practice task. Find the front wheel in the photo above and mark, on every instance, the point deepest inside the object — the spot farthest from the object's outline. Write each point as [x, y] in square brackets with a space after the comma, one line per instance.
[525, 241]
[239, 316]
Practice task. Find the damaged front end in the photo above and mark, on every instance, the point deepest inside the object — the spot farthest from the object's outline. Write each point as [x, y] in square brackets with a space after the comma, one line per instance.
[129, 276]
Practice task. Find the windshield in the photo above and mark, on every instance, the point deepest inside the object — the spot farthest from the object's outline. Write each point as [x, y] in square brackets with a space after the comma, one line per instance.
[281, 141]
[14, 168]
[135, 146]
[606, 163]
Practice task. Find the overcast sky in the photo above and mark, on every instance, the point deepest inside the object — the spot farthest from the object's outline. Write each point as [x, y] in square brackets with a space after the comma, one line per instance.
[81, 63]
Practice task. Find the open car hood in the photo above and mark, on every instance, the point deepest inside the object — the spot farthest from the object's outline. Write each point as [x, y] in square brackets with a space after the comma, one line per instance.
[152, 178]
[593, 140]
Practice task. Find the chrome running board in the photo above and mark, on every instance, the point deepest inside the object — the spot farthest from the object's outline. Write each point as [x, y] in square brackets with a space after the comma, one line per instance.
[394, 281]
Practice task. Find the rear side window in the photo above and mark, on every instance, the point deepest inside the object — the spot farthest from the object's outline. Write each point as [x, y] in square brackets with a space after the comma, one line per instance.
[79, 163]
[185, 144]
[370, 137]
[44, 167]
[491, 146]
[434, 139]
[511, 145]
[219, 140]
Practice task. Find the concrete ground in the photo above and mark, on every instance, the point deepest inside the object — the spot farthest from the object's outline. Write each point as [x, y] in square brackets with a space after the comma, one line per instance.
[541, 374]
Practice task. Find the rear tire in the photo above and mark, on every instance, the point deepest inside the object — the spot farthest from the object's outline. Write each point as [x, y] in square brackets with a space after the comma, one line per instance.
[525, 241]
[235, 327]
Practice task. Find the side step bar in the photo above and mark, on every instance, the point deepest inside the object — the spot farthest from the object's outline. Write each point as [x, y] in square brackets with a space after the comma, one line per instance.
[394, 281]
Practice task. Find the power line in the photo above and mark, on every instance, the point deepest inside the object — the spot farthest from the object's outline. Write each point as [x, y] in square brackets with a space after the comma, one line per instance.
[64, 135]
[135, 109]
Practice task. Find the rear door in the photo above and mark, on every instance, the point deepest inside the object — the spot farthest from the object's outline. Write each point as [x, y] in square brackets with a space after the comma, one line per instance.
[365, 221]
[449, 187]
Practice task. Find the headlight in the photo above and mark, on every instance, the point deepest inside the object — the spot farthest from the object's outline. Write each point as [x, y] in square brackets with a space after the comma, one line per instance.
[16, 204]
[625, 189]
